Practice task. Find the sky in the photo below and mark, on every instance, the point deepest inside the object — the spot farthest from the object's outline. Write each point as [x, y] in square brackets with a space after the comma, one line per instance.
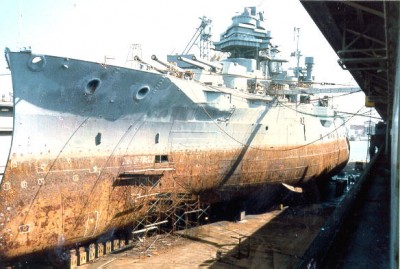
[94, 29]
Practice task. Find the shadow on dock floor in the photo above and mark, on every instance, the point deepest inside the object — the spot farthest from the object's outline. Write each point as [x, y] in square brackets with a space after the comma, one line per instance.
[364, 240]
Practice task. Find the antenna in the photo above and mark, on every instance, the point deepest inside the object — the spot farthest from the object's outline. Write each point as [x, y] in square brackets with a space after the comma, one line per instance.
[19, 41]
[297, 53]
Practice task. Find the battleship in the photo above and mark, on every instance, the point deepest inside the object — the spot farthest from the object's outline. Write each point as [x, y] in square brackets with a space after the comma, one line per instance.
[95, 146]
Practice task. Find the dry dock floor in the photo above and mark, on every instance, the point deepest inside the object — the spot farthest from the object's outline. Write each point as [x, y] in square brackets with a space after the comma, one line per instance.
[276, 239]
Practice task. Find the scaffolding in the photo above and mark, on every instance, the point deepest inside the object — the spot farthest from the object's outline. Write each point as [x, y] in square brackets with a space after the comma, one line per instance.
[163, 216]
[170, 216]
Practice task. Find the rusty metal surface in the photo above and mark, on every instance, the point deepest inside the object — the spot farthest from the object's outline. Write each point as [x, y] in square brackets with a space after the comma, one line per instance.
[61, 209]
[95, 147]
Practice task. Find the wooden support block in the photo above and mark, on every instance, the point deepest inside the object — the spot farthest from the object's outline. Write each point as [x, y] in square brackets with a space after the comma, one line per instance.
[242, 215]
[92, 252]
[115, 244]
[73, 260]
[108, 247]
[82, 256]
[99, 250]
[122, 243]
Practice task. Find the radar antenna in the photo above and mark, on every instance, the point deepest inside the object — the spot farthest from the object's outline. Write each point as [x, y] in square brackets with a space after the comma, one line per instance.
[297, 53]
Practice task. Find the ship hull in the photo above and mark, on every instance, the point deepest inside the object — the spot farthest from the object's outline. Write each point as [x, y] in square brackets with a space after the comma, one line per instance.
[96, 147]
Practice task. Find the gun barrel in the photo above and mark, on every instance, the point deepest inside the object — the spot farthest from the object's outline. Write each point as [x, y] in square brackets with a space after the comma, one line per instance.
[215, 67]
[168, 65]
[198, 64]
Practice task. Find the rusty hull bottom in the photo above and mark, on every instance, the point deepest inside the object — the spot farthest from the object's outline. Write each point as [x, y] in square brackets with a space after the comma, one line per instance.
[47, 204]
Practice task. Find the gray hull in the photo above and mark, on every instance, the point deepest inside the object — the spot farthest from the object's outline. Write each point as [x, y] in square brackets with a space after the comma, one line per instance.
[93, 145]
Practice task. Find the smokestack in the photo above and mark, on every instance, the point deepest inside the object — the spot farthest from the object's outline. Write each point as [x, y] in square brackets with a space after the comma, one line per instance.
[309, 62]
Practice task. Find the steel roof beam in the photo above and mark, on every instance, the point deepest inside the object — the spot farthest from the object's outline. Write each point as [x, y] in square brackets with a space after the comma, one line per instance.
[362, 60]
[365, 36]
[362, 68]
[364, 8]
[375, 76]
[371, 50]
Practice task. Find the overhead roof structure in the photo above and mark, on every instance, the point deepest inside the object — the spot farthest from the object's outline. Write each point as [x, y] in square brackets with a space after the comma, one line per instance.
[364, 35]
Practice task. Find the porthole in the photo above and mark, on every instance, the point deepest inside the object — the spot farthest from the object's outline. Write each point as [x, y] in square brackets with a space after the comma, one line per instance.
[97, 139]
[142, 92]
[37, 63]
[161, 159]
[266, 128]
[92, 86]
[326, 123]
[157, 138]
[37, 60]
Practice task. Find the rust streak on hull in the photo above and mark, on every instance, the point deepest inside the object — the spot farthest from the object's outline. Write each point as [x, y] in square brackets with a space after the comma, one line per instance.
[73, 202]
